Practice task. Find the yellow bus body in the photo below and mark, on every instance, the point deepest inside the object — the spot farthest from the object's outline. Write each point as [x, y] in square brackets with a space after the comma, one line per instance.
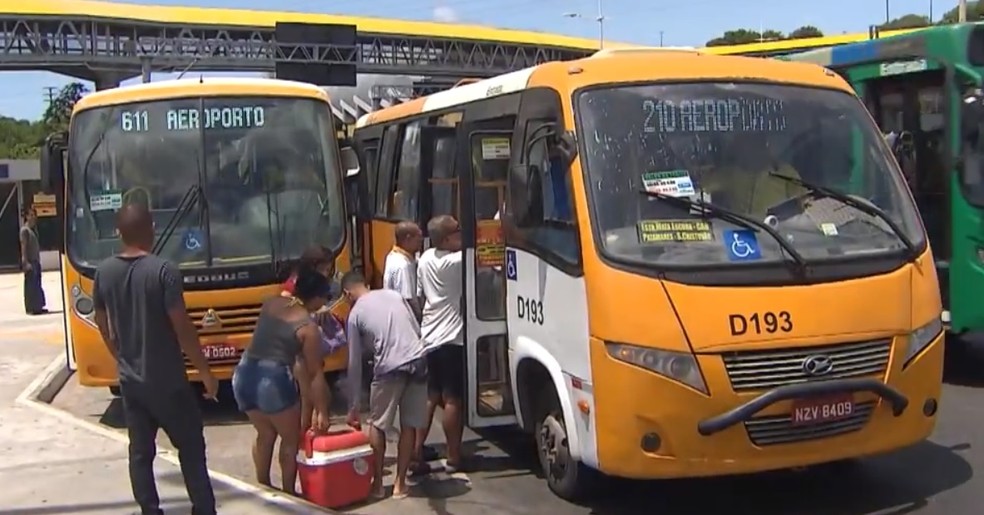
[614, 405]
[237, 308]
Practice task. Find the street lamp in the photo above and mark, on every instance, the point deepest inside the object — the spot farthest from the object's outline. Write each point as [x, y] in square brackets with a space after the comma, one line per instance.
[600, 18]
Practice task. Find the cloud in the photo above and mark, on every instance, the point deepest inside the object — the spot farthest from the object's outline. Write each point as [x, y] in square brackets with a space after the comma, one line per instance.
[445, 14]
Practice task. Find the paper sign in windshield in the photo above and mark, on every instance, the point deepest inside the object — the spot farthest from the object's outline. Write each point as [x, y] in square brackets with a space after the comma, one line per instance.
[663, 231]
[495, 148]
[106, 202]
[674, 183]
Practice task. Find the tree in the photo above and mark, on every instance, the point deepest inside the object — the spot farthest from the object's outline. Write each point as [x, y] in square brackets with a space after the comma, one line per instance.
[806, 31]
[740, 37]
[975, 12]
[20, 139]
[744, 36]
[59, 110]
[906, 21]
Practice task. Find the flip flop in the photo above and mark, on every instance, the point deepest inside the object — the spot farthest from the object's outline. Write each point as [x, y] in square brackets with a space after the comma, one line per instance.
[403, 495]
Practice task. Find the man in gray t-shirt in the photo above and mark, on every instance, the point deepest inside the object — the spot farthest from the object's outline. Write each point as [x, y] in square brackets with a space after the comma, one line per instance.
[141, 316]
[30, 261]
[383, 323]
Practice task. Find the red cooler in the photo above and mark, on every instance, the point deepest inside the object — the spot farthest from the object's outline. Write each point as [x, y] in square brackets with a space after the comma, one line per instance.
[335, 468]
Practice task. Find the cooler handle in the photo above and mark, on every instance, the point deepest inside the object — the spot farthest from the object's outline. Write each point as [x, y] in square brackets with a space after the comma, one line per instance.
[307, 439]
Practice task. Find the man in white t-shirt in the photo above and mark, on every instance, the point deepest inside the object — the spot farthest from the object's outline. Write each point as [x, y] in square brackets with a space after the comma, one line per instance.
[439, 286]
[400, 269]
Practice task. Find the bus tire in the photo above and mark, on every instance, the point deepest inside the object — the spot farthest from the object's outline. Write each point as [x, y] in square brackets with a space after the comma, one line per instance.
[115, 391]
[566, 477]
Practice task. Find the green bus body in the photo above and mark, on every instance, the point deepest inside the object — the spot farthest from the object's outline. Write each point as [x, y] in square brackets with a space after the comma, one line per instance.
[923, 87]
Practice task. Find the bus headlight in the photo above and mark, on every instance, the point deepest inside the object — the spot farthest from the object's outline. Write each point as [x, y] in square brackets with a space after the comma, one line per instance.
[678, 366]
[920, 338]
[82, 304]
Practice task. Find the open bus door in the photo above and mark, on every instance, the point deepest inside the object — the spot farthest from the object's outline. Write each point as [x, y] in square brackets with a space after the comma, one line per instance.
[54, 164]
[482, 159]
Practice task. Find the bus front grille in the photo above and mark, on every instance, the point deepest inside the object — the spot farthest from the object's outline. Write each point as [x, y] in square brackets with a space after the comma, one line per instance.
[768, 369]
[225, 320]
[779, 429]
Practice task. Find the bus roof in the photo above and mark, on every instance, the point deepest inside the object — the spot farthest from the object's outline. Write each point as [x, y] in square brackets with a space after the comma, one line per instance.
[903, 46]
[205, 86]
[616, 68]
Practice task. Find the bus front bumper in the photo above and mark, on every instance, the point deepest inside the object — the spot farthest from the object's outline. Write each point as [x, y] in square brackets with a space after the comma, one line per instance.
[649, 427]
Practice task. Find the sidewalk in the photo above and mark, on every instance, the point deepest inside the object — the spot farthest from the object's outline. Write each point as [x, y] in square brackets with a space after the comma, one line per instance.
[55, 464]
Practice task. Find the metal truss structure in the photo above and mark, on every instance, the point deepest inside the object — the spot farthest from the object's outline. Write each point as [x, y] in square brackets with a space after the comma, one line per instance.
[106, 50]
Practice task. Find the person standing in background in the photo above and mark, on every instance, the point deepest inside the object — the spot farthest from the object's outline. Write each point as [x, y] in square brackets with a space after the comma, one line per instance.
[439, 284]
[30, 260]
[142, 318]
[400, 269]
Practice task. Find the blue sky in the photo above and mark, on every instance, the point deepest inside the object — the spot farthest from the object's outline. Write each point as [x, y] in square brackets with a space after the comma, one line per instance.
[681, 22]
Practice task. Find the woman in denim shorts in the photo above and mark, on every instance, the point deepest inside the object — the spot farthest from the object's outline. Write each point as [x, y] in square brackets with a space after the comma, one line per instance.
[264, 382]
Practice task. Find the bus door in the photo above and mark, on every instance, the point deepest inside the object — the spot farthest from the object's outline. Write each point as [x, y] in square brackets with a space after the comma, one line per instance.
[482, 161]
[913, 106]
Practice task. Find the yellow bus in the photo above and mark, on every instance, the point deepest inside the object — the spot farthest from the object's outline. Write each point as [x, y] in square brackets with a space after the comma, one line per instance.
[241, 176]
[676, 264]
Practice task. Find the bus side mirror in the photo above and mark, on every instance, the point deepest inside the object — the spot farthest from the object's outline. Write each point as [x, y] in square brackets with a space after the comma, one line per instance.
[527, 203]
[53, 164]
[350, 162]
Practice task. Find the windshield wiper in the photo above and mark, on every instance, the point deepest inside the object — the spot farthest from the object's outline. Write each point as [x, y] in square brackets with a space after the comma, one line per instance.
[875, 211]
[735, 218]
[188, 201]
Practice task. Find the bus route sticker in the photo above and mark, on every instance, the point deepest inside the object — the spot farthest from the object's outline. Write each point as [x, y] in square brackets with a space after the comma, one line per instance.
[511, 271]
[107, 201]
[674, 183]
[662, 231]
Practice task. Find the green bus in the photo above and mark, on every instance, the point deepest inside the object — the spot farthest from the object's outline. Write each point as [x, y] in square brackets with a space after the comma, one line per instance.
[924, 91]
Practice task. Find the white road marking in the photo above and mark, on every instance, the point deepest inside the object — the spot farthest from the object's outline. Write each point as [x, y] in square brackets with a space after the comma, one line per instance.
[26, 398]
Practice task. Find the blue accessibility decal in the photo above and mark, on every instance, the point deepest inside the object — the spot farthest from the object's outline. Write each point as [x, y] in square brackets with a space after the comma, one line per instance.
[742, 245]
[192, 239]
[511, 271]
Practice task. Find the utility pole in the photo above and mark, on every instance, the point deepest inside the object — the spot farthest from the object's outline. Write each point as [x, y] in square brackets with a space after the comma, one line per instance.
[50, 92]
[962, 11]
[601, 24]
[600, 18]
[887, 10]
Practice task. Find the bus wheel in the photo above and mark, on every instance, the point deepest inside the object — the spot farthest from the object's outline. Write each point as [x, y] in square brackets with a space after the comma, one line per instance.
[115, 390]
[568, 478]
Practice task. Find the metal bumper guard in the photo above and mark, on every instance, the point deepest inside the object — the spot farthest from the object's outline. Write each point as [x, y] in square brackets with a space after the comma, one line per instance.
[749, 409]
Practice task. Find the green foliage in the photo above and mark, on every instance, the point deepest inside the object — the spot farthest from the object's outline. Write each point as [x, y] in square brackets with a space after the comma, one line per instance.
[743, 36]
[975, 12]
[59, 110]
[906, 21]
[21, 139]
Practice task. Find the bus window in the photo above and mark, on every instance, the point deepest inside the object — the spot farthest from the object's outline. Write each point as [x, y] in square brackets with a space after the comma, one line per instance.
[556, 232]
[490, 153]
[444, 179]
[406, 196]
[384, 182]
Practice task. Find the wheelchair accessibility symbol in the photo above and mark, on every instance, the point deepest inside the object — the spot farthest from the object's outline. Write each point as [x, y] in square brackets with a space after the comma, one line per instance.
[192, 240]
[511, 271]
[742, 245]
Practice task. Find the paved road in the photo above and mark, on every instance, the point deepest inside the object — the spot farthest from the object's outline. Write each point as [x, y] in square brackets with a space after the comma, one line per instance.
[934, 477]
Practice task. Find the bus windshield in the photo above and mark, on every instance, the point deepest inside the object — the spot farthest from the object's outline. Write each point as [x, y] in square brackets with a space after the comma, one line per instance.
[243, 180]
[764, 152]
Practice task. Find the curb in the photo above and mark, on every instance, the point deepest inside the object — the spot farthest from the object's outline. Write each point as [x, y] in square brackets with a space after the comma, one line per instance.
[42, 390]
